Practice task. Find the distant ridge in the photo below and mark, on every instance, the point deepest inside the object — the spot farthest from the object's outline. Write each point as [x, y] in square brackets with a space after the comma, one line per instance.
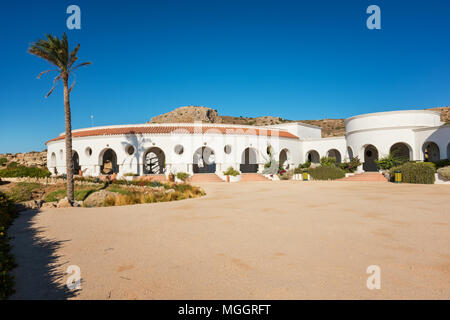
[330, 127]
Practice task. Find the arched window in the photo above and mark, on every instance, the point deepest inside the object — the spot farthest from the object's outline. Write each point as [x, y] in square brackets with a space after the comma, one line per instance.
[109, 162]
[401, 150]
[431, 151]
[154, 161]
[313, 156]
[204, 160]
[334, 153]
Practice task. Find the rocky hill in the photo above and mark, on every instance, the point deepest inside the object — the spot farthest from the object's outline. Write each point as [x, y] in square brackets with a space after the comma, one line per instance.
[330, 127]
[31, 159]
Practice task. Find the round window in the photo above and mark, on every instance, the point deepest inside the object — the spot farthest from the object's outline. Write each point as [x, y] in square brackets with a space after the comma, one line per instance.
[130, 150]
[227, 149]
[88, 151]
[179, 149]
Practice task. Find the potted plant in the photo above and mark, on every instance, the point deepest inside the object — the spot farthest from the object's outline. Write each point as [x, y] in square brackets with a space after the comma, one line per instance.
[232, 175]
[182, 177]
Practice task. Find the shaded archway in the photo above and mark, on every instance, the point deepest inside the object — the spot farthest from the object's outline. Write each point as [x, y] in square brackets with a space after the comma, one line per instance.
[204, 160]
[350, 153]
[401, 150]
[109, 162]
[313, 156]
[431, 151]
[334, 153]
[249, 161]
[283, 159]
[370, 156]
[154, 161]
[53, 163]
[75, 163]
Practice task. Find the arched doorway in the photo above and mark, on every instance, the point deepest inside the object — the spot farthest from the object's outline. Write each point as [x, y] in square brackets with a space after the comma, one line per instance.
[370, 156]
[333, 153]
[154, 161]
[401, 150]
[204, 160]
[109, 162]
[53, 163]
[75, 163]
[431, 152]
[350, 153]
[283, 159]
[249, 161]
[313, 156]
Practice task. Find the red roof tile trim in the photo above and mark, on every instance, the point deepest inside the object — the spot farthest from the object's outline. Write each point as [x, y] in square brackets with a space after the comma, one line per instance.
[177, 129]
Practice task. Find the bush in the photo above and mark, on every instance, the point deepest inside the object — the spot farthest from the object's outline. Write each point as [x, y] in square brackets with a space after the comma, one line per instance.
[8, 212]
[350, 166]
[328, 162]
[444, 172]
[415, 172]
[389, 162]
[326, 173]
[3, 161]
[231, 172]
[183, 176]
[22, 171]
[130, 174]
[442, 163]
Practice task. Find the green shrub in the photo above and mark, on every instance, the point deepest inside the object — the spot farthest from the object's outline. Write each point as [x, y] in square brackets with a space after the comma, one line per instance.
[415, 172]
[328, 162]
[12, 164]
[22, 171]
[3, 161]
[442, 163]
[389, 162]
[444, 172]
[8, 212]
[183, 176]
[231, 172]
[326, 173]
[350, 166]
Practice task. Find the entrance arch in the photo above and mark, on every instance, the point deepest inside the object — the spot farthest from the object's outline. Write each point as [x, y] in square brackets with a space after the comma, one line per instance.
[370, 156]
[401, 150]
[108, 162]
[431, 151]
[75, 163]
[283, 159]
[334, 153]
[204, 160]
[154, 161]
[313, 156]
[249, 161]
[350, 153]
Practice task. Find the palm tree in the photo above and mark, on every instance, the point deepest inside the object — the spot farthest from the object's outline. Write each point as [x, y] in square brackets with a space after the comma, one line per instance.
[56, 52]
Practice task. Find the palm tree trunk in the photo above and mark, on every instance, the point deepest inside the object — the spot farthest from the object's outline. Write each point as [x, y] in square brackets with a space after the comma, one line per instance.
[69, 166]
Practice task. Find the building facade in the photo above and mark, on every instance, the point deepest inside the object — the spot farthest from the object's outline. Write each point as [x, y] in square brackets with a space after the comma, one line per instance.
[154, 149]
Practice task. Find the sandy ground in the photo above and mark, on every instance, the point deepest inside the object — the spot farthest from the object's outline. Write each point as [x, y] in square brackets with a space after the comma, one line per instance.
[256, 240]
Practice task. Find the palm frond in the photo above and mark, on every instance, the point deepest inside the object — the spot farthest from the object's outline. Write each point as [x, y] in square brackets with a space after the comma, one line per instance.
[44, 72]
[50, 92]
[80, 65]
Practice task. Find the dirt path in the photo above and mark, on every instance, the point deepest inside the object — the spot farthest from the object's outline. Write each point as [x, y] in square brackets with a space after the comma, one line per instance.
[261, 240]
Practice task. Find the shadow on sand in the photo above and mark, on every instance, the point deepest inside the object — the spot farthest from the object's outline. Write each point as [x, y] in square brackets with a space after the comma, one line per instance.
[37, 275]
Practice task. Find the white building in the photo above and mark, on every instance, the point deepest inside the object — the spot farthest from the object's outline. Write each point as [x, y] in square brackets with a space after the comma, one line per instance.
[151, 149]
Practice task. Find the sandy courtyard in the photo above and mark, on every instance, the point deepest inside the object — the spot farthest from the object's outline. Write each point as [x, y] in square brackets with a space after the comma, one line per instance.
[256, 240]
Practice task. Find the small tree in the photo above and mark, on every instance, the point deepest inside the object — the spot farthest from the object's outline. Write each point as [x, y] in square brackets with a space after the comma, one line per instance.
[56, 52]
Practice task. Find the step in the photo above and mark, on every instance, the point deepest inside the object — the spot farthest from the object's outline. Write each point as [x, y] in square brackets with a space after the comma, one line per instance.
[205, 177]
[245, 177]
[154, 177]
[365, 176]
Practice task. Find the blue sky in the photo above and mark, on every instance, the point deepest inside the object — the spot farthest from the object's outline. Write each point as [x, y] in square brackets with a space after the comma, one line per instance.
[293, 59]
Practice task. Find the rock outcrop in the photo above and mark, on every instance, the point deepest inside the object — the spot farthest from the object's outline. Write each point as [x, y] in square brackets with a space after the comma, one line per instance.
[96, 199]
[188, 114]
